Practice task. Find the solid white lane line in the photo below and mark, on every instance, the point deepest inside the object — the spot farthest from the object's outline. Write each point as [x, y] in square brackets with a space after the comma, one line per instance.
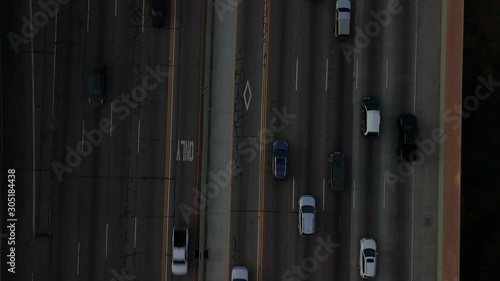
[387, 74]
[138, 136]
[78, 259]
[111, 120]
[106, 246]
[33, 124]
[384, 193]
[143, 12]
[54, 76]
[88, 15]
[116, 4]
[135, 231]
[354, 193]
[323, 194]
[412, 219]
[296, 73]
[83, 133]
[326, 75]
[53, 103]
[415, 64]
[356, 78]
[293, 194]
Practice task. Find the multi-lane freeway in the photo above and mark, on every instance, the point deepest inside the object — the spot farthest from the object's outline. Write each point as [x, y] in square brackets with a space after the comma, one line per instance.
[184, 138]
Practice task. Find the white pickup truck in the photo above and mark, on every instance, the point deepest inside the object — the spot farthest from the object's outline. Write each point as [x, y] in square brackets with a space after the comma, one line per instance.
[180, 240]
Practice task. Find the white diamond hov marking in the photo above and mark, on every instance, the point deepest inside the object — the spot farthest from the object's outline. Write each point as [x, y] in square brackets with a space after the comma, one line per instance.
[247, 101]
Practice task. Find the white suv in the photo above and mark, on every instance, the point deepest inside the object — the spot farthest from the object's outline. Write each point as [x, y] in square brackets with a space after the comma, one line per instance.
[307, 215]
[342, 18]
[370, 116]
[367, 258]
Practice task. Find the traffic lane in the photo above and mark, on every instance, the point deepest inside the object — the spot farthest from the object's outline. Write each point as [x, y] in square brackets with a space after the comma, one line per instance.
[428, 100]
[186, 100]
[183, 194]
[345, 130]
[96, 167]
[400, 213]
[23, 76]
[150, 149]
[394, 82]
[249, 74]
[293, 103]
[93, 204]
[186, 124]
[146, 225]
[245, 214]
[280, 196]
[337, 70]
[324, 138]
[379, 220]
[122, 44]
[43, 60]
[69, 110]
[150, 160]
[361, 150]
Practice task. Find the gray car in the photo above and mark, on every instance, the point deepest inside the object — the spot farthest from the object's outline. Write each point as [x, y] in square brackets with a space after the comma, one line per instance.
[280, 159]
[337, 176]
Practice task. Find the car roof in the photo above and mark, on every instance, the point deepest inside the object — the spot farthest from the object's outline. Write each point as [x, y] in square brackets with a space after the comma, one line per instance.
[308, 223]
[373, 120]
[370, 267]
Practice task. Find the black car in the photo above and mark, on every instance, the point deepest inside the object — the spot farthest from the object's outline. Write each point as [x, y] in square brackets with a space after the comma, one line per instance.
[96, 85]
[158, 13]
[408, 130]
[280, 158]
[337, 176]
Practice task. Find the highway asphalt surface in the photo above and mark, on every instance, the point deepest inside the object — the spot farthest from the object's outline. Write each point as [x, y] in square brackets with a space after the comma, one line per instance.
[100, 204]
[319, 85]
[99, 214]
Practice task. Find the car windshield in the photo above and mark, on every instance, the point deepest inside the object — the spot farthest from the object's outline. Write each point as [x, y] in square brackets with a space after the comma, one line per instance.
[157, 12]
[343, 10]
[307, 209]
[179, 262]
[238, 279]
[369, 252]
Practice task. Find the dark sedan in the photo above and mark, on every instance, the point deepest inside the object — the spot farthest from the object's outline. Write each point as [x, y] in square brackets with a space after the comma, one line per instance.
[280, 158]
[159, 13]
[408, 130]
[96, 85]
